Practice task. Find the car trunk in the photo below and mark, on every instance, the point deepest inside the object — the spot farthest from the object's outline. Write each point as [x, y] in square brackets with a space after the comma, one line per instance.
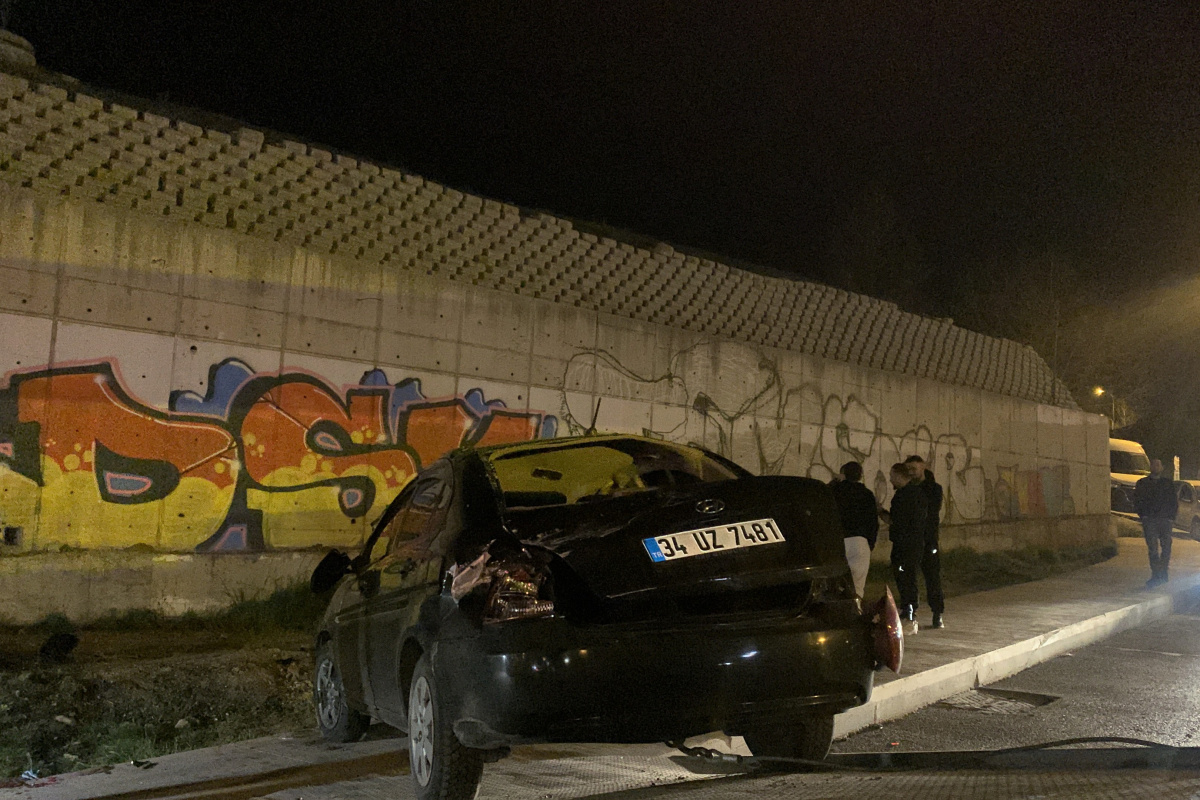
[605, 572]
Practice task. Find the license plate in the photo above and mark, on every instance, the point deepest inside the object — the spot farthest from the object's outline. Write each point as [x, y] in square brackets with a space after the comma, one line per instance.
[704, 541]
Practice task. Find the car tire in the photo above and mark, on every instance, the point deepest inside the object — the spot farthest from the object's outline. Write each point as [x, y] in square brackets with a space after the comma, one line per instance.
[442, 768]
[336, 721]
[808, 739]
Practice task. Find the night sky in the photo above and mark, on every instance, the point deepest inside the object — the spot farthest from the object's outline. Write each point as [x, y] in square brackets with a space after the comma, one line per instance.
[889, 147]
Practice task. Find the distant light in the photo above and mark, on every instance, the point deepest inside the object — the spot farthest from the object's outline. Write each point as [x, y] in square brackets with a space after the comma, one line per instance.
[1099, 390]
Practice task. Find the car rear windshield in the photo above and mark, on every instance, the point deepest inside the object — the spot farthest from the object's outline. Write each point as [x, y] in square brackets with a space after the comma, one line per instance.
[581, 472]
[1128, 463]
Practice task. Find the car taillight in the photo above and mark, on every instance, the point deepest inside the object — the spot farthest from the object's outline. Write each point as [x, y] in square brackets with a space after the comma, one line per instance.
[517, 593]
[887, 637]
[515, 584]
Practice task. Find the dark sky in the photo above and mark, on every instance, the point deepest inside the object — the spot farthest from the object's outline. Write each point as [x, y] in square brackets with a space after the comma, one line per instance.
[835, 140]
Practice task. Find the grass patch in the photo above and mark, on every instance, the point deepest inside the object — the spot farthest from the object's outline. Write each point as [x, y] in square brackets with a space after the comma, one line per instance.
[62, 718]
[291, 609]
[965, 570]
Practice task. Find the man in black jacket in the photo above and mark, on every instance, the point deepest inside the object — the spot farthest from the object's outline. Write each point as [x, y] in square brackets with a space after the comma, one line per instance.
[1156, 503]
[856, 506]
[906, 529]
[931, 561]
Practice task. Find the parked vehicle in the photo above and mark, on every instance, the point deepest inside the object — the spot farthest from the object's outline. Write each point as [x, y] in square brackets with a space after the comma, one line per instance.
[604, 589]
[1128, 464]
[1188, 518]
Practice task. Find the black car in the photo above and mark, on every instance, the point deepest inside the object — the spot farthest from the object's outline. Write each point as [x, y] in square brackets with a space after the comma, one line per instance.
[601, 589]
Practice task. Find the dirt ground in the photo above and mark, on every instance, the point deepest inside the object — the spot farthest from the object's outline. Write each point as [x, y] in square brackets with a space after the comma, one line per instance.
[132, 695]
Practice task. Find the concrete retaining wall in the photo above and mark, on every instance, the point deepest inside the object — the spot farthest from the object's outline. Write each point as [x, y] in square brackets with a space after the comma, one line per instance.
[272, 381]
[87, 585]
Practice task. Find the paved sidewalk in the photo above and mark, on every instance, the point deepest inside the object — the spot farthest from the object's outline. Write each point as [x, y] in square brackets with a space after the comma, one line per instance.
[992, 635]
[989, 636]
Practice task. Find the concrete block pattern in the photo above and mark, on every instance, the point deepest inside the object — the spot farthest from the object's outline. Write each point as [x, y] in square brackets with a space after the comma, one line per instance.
[496, 320]
[502, 365]
[26, 341]
[322, 337]
[119, 306]
[421, 306]
[294, 193]
[417, 352]
[27, 291]
[205, 319]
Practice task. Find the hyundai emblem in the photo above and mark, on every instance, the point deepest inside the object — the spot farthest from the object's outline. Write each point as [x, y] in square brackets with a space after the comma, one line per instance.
[710, 506]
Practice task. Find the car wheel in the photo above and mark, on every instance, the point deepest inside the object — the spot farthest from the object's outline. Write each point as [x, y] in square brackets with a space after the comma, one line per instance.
[808, 738]
[441, 766]
[336, 720]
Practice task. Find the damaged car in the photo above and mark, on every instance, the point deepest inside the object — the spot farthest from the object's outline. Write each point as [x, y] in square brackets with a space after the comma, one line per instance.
[595, 589]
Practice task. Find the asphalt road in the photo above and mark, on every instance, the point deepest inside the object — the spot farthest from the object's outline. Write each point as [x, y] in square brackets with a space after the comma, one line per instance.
[1142, 683]
[1139, 684]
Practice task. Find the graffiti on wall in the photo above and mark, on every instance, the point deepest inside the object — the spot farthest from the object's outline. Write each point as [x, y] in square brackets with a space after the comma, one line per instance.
[259, 460]
[740, 404]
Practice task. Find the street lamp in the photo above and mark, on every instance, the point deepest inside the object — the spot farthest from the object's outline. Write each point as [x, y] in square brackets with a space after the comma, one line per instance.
[1100, 391]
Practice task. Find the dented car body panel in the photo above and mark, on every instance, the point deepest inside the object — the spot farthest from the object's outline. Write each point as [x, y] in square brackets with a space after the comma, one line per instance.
[608, 588]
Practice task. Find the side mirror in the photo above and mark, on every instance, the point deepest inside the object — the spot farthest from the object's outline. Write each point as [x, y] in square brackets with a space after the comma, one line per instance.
[333, 566]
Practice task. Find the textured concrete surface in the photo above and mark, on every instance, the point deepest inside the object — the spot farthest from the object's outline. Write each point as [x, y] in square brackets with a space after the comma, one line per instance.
[1139, 683]
[61, 141]
[88, 585]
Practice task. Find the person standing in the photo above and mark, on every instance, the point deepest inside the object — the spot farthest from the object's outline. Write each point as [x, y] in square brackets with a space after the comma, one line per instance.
[906, 529]
[1156, 504]
[856, 506]
[931, 560]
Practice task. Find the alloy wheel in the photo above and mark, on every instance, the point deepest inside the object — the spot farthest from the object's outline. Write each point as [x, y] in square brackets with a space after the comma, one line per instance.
[420, 731]
[329, 695]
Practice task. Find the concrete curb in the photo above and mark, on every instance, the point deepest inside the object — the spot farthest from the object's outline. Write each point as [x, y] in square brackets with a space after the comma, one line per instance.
[905, 695]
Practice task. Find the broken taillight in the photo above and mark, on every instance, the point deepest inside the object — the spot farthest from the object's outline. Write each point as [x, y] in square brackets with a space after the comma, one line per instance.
[516, 593]
[511, 586]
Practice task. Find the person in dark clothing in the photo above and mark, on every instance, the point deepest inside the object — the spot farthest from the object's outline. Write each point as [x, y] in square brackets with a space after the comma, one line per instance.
[906, 529]
[1156, 503]
[856, 506]
[931, 561]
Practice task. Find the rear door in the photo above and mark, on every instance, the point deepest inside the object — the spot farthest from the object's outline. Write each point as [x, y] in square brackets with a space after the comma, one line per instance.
[409, 572]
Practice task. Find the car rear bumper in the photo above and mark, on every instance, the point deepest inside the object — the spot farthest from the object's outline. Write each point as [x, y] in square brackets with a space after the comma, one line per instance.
[547, 680]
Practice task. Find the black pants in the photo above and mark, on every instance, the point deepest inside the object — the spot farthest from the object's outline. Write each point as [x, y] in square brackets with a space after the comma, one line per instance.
[906, 561]
[931, 568]
[1158, 534]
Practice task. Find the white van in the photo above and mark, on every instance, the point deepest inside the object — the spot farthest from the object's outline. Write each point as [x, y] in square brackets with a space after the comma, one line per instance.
[1127, 464]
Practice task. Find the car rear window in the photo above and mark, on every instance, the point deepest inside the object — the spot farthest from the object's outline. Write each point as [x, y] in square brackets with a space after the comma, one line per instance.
[586, 472]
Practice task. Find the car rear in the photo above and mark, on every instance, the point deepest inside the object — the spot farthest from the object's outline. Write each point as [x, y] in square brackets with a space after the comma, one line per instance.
[661, 612]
